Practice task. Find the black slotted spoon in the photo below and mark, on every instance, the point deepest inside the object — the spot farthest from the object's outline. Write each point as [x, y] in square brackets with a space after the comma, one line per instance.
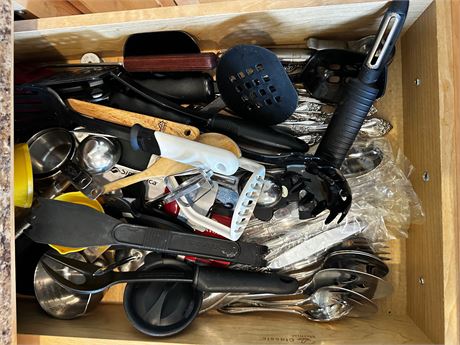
[253, 83]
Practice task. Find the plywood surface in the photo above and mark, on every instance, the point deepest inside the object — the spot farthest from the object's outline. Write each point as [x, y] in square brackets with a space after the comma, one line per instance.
[449, 115]
[109, 322]
[48, 8]
[452, 275]
[217, 26]
[429, 124]
[456, 74]
[58, 8]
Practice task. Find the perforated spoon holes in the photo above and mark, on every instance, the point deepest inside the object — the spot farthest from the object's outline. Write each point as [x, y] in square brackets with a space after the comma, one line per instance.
[254, 84]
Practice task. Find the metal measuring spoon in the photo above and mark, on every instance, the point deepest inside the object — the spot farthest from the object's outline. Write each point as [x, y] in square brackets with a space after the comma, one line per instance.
[98, 154]
[326, 304]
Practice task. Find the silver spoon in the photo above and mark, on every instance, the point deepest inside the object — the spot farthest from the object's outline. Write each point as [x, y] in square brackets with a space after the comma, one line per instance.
[361, 160]
[326, 304]
[346, 259]
[369, 286]
[358, 260]
[365, 284]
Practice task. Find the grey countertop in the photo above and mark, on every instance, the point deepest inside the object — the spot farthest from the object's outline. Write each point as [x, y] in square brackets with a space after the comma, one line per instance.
[7, 305]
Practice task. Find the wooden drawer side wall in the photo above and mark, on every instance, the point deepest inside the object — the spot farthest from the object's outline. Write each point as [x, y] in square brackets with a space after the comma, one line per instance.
[429, 125]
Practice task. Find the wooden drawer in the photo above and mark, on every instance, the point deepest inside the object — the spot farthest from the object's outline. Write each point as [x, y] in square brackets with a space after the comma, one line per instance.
[420, 104]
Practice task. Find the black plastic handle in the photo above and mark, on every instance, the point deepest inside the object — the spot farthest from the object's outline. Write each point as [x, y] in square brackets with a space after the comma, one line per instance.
[212, 279]
[346, 122]
[96, 284]
[265, 136]
[233, 127]
[131, 102]
[173, 242]
[198, 89]
[400, 7]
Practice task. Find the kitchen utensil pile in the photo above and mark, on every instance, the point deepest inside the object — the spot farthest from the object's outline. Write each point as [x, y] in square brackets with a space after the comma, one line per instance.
[205, 180]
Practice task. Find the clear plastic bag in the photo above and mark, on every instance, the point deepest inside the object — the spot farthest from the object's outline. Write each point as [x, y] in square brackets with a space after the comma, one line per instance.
[308, 239]
[309, 244]
[388, 189]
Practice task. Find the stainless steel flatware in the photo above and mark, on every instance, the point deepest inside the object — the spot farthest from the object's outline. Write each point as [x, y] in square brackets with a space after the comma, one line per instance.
[326, 304]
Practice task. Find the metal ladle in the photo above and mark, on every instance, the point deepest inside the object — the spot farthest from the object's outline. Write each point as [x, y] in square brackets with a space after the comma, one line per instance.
[326, 304]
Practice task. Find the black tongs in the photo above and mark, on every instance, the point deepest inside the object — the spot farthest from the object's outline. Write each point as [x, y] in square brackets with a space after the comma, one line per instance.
[209, 279]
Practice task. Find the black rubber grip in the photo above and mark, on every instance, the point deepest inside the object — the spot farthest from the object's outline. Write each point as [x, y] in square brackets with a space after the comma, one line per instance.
[212, 279]
[266, 136]
[346, 122]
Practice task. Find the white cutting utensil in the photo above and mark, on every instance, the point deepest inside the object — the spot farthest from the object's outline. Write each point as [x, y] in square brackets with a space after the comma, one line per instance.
[184, 151]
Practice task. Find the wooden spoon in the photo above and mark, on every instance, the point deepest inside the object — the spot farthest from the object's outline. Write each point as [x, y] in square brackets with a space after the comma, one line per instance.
[129, 119]
[166, 167]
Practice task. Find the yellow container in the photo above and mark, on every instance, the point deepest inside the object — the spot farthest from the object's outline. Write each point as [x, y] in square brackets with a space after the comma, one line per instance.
[23, 177]
[81, 199]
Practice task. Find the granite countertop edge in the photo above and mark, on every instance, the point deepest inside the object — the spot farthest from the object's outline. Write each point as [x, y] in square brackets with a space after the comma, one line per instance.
[7, 305]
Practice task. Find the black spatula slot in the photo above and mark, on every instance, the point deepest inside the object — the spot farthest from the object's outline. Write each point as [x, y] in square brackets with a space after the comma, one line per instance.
[256, 87]
[253, 83]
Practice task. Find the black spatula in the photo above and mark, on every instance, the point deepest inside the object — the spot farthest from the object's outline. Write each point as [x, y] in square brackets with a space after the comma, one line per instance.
[73, 225]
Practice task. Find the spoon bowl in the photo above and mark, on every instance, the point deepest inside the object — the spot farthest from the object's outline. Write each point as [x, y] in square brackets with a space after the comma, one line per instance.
[326, 304]
[98, 154]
